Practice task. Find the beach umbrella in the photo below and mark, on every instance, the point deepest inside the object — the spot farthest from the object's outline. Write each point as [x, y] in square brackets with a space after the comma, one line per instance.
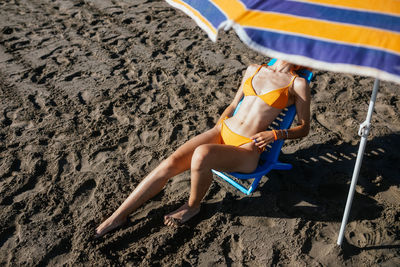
[353, 36]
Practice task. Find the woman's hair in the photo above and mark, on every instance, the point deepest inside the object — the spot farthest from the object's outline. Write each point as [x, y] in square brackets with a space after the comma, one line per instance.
[299, 67]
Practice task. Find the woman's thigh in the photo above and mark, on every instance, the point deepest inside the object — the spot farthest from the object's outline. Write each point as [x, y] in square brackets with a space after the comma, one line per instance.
[183, 155]
[226, 158]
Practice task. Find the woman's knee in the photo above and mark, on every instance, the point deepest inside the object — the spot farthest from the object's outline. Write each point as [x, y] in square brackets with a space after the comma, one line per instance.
[173, 164]
[201, 157]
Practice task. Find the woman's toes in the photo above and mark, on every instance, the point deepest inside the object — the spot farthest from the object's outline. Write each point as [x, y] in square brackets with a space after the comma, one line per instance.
[172, 222]
[108, 225]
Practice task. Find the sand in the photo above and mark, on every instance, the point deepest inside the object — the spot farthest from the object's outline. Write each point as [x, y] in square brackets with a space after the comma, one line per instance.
[95, 93]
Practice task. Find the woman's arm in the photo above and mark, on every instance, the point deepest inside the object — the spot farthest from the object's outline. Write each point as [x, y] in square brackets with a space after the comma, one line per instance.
[301, 91]
[302, 101]
[239, 94]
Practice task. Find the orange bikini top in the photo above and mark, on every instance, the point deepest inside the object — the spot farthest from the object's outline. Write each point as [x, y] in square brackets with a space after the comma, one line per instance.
[277, 98]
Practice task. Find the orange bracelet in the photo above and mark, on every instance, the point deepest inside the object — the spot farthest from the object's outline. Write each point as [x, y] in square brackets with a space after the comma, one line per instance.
[275, 136]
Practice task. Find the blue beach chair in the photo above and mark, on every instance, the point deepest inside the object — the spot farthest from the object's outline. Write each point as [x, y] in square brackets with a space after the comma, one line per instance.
[269, 158]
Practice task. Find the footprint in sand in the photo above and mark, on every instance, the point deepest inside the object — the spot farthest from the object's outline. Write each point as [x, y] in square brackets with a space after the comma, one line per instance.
[9, 165]
[72, 76]
[84, 193]
[20, 44]
[233, 249]
[367, 234]
[32, 99]
[332, 122]
[149, 138]
[39, 74]
[251, 221]
[175, 101]
[9, 238]
[120, 115]
[58, 255]
[388, 114]
[7, 233]
[146, 104]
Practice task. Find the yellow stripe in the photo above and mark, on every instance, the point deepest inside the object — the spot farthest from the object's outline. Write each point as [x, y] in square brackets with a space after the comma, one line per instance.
[350, 34]
[198, 15]
[233, 9]
[383, 6]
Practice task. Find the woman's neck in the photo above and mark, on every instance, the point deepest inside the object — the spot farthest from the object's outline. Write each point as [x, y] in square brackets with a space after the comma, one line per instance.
[281, 66]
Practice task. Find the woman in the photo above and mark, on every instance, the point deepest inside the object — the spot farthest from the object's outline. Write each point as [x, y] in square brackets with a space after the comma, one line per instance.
[233, 145]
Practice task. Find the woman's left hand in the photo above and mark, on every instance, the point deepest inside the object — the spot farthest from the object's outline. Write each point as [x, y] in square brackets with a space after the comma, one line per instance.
[262, 139]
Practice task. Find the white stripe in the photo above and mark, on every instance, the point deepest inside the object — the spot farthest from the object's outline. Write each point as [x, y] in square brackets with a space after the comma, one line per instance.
[200, 23]
[316, 64]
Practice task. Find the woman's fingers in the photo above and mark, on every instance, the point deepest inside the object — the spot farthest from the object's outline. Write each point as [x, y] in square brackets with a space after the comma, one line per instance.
[256, 138]
[261, 144]
[262, 139]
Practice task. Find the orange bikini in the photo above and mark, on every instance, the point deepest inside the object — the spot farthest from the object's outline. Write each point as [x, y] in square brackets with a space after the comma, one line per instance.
[277, 98]
[229, 137]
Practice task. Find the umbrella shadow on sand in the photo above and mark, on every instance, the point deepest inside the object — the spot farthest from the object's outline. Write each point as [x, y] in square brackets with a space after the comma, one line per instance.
[322, 175]
[317, 186]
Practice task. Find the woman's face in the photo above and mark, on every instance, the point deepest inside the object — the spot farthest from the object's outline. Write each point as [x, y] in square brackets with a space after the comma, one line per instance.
[282, 62]
[292, 66]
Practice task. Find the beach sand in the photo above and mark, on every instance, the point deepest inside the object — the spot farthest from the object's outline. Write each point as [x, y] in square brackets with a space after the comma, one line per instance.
[95, 93]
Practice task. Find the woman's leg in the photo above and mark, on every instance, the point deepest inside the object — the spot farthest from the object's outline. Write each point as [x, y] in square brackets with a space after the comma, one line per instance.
[154, 182]
[207, 157]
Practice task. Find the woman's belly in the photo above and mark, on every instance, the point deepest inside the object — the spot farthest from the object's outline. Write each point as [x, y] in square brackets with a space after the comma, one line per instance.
[239, 127]
[253, 116]
[249, 124]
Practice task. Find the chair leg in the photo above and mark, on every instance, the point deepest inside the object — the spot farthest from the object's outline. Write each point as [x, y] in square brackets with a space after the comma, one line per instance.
[243, 189]
[254, 185]
[282, 166]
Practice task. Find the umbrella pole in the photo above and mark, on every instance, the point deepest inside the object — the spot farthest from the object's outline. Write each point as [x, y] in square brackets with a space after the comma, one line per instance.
[363, 132]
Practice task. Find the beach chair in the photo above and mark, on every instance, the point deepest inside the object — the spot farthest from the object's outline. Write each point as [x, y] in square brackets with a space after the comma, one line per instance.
[269, 158]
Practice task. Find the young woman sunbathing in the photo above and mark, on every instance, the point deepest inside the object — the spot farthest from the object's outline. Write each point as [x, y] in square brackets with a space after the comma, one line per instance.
[232, 145]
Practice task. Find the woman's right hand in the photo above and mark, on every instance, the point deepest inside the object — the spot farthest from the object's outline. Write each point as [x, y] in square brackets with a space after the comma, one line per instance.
[262, 139]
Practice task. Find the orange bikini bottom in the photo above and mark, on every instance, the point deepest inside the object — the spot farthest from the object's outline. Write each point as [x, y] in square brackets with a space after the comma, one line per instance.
[231, 138]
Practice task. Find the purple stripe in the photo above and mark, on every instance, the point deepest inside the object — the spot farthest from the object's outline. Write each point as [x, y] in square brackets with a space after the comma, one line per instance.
[327, 51]
[207, 10]
[315, 11]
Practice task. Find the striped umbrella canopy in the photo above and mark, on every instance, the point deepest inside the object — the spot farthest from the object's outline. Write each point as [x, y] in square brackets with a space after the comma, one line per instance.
[352, 36]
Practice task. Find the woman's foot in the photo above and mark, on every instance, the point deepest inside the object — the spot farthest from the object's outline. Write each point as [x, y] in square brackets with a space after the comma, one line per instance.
[109, 225]
[180, 216]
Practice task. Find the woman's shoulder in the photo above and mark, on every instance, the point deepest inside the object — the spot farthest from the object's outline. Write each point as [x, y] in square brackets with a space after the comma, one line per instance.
[300, 82]
[252, 68]
[300, 85]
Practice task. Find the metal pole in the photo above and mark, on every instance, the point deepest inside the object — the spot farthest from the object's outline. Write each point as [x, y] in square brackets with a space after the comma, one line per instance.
[363, 132]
